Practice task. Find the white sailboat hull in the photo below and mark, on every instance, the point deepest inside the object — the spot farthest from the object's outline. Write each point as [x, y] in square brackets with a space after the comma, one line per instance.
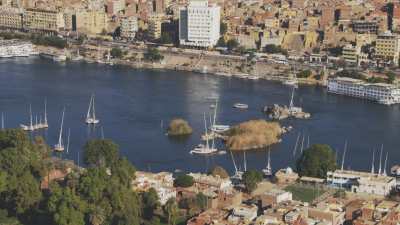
[58, 148]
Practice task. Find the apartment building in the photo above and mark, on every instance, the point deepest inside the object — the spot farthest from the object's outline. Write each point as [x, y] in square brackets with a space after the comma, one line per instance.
[90, 22]
[47, 21]
[11, 18]
[388, 47]
[350, 54]
[199, 24]
[155, 21]
[363, 26]
[129, 27]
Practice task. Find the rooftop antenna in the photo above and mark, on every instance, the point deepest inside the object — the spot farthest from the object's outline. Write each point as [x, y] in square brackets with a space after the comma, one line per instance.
[384, 168]
[373, 161]
[380, 161]
[344, 154]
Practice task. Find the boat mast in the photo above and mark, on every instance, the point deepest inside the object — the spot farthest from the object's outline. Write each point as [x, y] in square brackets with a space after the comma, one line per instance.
[93, 111]
[269, 160]
[291, 99]
[373, 162]
[90, 106]
[344, 154]
[69, 133]
[380, 161]
[45, 112]
[30, 116]
[61, 129]
[215, 112]
[2, 121]
[205, 128]
[295, 146]
[384, 168]
[234, 163]
[302, 144]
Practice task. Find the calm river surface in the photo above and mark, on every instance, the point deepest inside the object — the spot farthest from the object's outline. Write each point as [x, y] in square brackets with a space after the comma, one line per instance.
[132, 104]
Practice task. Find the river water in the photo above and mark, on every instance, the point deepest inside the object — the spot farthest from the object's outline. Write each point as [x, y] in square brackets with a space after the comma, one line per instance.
[134, 107]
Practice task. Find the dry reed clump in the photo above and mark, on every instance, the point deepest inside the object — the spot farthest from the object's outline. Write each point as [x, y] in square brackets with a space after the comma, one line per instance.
[253, 134]
[178, 127]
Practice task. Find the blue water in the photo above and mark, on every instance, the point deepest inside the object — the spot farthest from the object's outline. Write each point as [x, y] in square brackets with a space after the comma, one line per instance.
[134, 107]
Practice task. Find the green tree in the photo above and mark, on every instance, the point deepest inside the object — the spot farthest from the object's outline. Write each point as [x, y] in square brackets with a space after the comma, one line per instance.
[391, 77]
[183, 180]
[165, 38]
[201, 201]
[66, 207]
[251, 178]
[150, 203]
[153, 55]
[5, 219]
[223, 28]
[116, 53]
[101, 152]
[316, 161]
[232, 44]
[304, 74]
[171, 211]
[221, 42]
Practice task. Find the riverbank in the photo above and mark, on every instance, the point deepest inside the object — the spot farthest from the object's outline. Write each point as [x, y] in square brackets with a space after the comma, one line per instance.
[204, 63]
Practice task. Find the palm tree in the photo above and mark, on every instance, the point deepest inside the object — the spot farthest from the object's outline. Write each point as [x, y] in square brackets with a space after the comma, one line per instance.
[171, 211]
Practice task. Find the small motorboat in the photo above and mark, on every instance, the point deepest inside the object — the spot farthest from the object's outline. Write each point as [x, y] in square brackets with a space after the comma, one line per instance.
[240, 106]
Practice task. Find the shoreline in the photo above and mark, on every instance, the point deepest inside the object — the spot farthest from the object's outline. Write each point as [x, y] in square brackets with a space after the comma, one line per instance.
[216, 65]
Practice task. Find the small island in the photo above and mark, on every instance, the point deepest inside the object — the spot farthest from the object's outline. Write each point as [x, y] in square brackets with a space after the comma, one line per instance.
[179, 127]
[253, 134]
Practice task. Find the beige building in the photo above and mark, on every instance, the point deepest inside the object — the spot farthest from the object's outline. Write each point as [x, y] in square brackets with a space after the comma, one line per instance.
[43, 20]
[388, 47]
[350, 54]
[155, 21]
[91, 22]
[11, 18]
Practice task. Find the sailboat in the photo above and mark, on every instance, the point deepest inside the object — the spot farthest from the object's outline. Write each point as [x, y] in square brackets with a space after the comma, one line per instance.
[268, 170]
[45, 124]
[91, 113]
[238, 174]
[59, 147]
[204, 149]
[30, 126]
[218, 128]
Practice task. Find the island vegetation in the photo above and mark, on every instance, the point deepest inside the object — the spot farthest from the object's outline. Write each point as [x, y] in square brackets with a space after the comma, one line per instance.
[179, 127]
[253, 134]
[316, 161]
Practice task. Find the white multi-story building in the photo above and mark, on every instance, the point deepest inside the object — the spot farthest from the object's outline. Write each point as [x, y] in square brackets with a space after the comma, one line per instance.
[161, 182]
[362, 182]
[199, 24]
[129, 27]
[382, 93]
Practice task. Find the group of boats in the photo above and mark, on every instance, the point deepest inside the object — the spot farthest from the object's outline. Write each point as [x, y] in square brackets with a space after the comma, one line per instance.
[39, 124]
[211, 133]
[238, 175]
